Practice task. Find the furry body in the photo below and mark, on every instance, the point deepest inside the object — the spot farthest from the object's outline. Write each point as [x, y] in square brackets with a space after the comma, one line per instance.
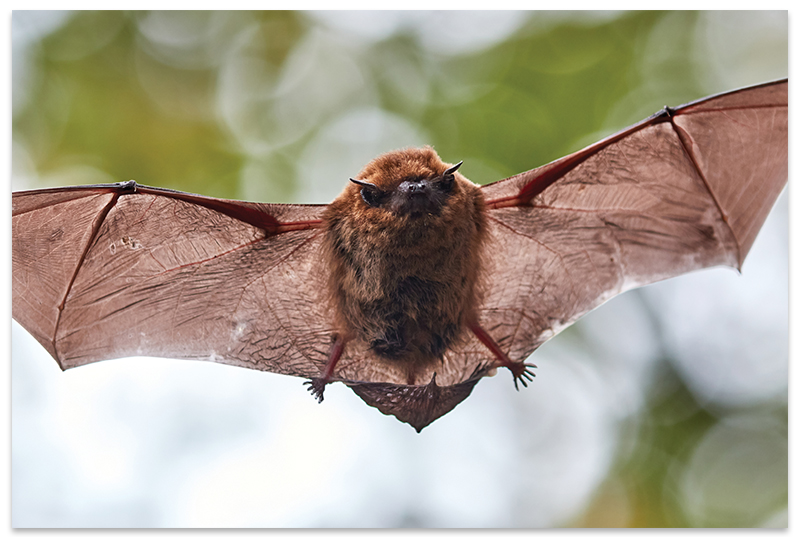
[406, 282]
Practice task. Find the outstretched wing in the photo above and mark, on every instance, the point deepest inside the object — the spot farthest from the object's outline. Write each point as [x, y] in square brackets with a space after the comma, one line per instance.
[117, 270]
[108, 271]
[685, 189]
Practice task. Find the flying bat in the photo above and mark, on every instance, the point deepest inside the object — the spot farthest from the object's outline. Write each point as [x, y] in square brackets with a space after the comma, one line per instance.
[414, 283]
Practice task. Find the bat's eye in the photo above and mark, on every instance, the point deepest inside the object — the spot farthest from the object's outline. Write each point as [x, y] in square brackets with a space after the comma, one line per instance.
[445, 184]
[371, 194]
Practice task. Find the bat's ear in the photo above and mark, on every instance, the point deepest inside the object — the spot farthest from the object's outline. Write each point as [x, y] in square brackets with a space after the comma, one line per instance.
[451, 171]
[371, 194]
[416, 405]
[365, 184]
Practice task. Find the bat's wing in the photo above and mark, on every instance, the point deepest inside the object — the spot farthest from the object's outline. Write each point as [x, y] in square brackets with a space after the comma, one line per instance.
[687, 188]
[118, 270]
[108, 271]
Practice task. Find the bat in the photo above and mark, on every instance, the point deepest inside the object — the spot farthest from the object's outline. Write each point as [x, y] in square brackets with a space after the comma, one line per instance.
[414, 283]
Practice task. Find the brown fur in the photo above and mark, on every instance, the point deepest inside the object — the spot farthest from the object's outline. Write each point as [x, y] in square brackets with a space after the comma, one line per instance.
[405, 286]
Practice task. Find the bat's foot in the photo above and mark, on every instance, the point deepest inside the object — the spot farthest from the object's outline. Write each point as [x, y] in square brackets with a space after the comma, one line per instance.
[316, 387]
[522, 372]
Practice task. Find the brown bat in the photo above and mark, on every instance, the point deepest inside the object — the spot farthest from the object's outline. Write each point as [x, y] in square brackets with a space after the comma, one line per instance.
[414, 283]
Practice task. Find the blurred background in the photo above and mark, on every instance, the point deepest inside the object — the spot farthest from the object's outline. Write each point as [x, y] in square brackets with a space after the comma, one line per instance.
[665, 407]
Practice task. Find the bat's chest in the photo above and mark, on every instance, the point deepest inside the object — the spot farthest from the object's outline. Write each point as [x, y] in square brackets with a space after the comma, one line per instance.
[412, 319]
[409, 310]
[407, 292]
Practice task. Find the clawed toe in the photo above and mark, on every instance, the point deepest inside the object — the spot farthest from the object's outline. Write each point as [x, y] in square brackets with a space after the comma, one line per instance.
[316, 387]
[522, 372]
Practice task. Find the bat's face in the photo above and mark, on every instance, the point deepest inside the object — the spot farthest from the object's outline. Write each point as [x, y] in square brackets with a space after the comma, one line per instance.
[407, 187]
[420, 192]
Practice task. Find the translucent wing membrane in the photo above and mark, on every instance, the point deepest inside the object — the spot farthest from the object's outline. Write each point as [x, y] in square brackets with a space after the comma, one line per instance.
[104, 272]
[685, 189]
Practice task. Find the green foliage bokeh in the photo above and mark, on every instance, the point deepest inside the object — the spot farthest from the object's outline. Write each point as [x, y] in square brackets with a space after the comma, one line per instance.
[103, 103]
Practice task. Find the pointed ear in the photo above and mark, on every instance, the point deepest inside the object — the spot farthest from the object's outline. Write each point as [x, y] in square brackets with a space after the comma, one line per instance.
[452, 170]
[366, 185]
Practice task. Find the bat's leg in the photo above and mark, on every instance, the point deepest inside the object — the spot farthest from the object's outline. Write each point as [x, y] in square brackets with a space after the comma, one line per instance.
[520, 370]
[317, 385]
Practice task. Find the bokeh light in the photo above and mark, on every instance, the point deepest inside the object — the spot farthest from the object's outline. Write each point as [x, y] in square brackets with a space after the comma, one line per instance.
[665, 407]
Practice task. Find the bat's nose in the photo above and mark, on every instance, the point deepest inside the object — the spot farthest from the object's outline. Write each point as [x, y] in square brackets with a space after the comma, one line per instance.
[413, 187]
[416, 198]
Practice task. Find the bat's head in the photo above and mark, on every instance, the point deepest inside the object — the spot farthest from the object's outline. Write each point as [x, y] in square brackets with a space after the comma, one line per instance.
[408, 201]
[409, 183]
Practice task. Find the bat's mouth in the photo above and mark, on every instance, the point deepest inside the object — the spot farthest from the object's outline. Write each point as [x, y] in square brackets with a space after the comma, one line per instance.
[419, 204]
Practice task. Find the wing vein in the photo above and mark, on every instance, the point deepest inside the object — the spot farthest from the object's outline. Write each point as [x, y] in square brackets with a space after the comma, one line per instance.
[681, 134]
[89, 244]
